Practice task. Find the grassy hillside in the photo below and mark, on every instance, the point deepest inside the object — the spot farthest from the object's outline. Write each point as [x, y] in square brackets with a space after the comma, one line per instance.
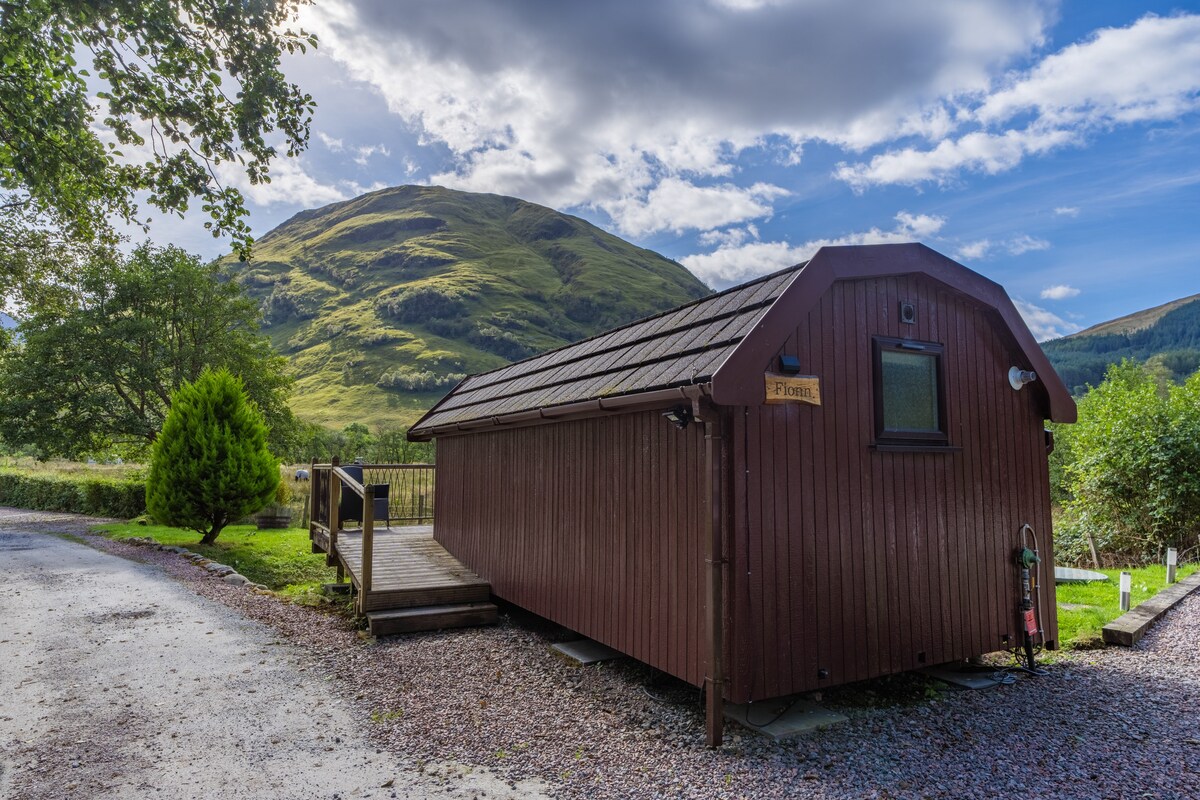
[384, 302]
[1168, 335]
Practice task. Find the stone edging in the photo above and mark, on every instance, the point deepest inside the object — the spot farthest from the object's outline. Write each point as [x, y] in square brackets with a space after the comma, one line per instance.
[1131, 626]
[222, 571]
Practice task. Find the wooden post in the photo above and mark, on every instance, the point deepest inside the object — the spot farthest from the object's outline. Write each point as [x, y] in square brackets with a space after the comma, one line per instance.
[335, 497]
[368, 544]
[312, 496]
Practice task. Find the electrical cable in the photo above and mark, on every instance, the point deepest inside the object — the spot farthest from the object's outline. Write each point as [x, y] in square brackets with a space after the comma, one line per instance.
[776, 718]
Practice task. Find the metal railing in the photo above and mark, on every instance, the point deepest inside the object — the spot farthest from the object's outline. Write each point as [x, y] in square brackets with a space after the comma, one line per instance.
[410, 490]
[407, 487]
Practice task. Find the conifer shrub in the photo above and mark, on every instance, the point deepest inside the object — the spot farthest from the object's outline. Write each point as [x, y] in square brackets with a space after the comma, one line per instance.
[210, 465]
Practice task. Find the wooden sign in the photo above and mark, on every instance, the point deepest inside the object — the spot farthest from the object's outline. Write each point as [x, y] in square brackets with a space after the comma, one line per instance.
[793, 389]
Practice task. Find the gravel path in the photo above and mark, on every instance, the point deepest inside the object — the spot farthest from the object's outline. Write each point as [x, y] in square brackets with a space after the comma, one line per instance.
[1112, 723]
[119, 683]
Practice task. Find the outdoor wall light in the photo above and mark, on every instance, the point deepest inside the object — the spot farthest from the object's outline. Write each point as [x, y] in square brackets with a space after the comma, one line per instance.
[1017, 377]
[789, 365]
[679, 416]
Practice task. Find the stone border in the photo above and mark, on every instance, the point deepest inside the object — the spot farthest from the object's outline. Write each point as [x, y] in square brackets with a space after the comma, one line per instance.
[1131, 626]
[222, 571]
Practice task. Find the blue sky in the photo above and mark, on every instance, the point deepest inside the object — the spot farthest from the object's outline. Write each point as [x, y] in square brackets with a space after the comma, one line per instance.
[1052, 146]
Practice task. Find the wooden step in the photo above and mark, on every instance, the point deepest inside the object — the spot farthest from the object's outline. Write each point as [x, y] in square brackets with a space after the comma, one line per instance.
[429, 595]
[431, 618]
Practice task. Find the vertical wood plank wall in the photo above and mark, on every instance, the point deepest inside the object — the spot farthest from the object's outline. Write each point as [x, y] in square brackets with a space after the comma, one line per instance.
[861, 562]
[596, 524]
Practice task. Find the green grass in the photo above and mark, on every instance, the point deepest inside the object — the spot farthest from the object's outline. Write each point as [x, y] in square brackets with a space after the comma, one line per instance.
[1080, 628]
[281, 560]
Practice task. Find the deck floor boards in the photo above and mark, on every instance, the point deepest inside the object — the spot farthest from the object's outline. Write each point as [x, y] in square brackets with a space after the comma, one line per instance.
[410, 569]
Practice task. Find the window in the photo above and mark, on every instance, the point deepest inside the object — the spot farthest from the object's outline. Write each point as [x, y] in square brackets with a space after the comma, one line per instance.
[910, 405]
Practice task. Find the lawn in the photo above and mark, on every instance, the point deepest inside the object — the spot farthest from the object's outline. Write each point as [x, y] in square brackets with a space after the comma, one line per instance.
[1080, 627]
[279, 559]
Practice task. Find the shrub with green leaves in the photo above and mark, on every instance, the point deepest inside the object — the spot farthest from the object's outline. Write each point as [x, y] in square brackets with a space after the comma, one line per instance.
[1131, 468]
[98, 496]
[211, 465]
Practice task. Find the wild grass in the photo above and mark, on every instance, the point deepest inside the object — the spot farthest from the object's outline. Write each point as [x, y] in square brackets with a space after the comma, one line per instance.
[74, 469]
[1100, 603]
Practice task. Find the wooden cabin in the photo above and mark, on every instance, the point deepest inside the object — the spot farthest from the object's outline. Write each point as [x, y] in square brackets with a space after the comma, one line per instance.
[814, 478]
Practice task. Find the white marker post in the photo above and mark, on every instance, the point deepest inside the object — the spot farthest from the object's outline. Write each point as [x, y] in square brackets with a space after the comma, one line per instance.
[1126, 588]
[1172, 560]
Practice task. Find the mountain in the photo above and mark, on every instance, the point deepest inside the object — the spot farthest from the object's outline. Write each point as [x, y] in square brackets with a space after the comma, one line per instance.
[1168, 335]
[6, 321]
[384, 302]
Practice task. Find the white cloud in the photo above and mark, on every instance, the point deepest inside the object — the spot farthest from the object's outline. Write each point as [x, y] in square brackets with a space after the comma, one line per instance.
[335, 145]
[1042, 323]
[1016, 245]
[519, 101]
[978, 151]
[973, 251]
[678, 205]
[290, 185]
[730, 237]
[1149, 71]
[1059, 292]
[919, 226]
[734, 261]
[1066, 211]
[1025, 244]
[363, 154]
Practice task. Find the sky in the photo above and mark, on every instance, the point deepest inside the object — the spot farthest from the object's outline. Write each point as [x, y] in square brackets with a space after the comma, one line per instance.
[1051, 146]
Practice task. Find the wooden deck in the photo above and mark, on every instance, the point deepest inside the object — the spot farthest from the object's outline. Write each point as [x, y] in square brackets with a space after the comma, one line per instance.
[415, 583]
[410, 569]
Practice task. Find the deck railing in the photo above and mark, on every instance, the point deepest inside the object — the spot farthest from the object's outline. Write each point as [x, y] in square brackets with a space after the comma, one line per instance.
[409, 492]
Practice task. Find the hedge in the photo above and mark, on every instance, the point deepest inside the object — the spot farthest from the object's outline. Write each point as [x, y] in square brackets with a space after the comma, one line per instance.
[78, 494]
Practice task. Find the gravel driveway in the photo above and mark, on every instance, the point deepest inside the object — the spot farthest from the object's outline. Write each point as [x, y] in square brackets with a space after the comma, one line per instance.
[119, 682]
[1113, 723]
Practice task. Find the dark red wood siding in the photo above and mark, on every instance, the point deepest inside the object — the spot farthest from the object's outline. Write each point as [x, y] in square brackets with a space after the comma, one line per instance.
[596, 524]
[863, 562]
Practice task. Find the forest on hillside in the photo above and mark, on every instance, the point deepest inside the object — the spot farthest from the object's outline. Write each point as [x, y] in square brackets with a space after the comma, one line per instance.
[1172, 346]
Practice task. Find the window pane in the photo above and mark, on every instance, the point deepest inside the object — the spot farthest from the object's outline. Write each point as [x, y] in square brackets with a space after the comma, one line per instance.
[910, 392]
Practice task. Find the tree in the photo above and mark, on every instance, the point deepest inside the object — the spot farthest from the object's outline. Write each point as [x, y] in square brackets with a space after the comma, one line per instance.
[1132, 466]
[191, 96]
[357, 441]
[211, 465]
[99, 368]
